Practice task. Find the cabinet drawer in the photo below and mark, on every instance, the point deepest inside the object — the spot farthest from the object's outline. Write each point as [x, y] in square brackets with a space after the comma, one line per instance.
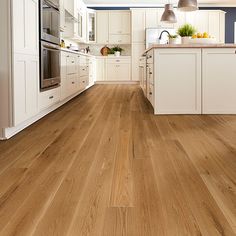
[49, 98]
[150, 73]
[119, 39]
[83, 70]
[118, 61]
[150, 57]
[83, 82]
[71, 65]
[83, 60]
[72, 85]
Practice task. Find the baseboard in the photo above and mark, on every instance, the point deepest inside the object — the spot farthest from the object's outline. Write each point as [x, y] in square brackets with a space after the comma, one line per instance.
[117, 82]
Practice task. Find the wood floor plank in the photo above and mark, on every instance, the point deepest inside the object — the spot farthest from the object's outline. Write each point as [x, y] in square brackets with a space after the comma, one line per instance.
[104, 165]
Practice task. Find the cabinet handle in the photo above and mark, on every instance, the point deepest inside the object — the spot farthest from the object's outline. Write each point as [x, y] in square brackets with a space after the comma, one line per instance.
[117, 60]
[73, 82]
[150, 73]
[72, 62]
[51, 97]
[150, 93]
[68, 56]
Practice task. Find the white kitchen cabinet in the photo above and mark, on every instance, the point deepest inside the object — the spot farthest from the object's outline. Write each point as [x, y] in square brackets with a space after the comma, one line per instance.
[70, 6]
[138, 25]
[25, 87]
[100, 69]
[62, 16]
[119, 39]
[25, 26]
[137, 51]
[152, 18]
[211, 21]
[177, 76]
[219, 81]
[91, 26]
[63, 76]
[102, 27]
[118, 69]
[92, 71]
[119, 22]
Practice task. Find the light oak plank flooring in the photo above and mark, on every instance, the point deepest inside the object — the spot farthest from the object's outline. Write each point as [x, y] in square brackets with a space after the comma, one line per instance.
[104, 165]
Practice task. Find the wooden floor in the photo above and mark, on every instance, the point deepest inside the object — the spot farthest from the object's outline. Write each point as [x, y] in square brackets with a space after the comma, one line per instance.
[104, 165]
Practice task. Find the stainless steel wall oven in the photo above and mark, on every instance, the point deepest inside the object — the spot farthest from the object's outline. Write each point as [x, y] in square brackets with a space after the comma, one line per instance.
[49, 44]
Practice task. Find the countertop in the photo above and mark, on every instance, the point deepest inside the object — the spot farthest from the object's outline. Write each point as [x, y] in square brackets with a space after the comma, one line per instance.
[90, 55]
[154, 46]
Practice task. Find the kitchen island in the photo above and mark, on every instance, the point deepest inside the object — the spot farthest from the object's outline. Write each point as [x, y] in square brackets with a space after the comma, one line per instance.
[191, 79]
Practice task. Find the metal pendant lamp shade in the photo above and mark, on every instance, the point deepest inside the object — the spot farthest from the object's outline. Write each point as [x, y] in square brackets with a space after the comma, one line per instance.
[169, 15]
[188, 5]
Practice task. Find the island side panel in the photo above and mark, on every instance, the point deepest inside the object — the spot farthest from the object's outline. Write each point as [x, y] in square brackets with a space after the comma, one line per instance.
[177, 81]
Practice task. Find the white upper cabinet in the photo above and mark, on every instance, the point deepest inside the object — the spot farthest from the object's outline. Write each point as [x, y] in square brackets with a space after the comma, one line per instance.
[138, 25]
[25, 26]
[71, 6]
[211, 21]
[152, 18]
[62, 16]
[91, 26]
[119, 22]
[102, 27]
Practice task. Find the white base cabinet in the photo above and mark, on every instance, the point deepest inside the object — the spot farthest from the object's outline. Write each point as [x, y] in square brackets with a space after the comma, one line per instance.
[115, 69]
[25, 87]
[219, 81]
[174, 81]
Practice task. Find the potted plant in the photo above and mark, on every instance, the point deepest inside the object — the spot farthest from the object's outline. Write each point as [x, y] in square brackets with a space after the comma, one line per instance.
[173, 39]
[186, 32]
[116, 50]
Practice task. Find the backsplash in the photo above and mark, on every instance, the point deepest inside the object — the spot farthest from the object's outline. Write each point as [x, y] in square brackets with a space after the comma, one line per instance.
[95, 48]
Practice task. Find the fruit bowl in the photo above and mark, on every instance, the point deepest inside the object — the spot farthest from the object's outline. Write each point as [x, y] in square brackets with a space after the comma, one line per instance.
[203, 41]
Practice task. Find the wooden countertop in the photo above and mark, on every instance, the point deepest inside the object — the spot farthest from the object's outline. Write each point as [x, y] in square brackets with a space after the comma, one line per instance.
[154, 46]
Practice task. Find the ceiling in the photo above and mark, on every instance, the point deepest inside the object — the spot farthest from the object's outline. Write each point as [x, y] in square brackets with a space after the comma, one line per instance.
[148, 3]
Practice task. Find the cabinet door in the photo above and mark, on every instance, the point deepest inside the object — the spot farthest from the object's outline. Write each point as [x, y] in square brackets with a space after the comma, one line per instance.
[118, 72]
[100, 69]
[177, 87]
[119, 22]
[137, 51]
[219, 81]
[69, 6]
[62, 16]
[102, 27]
[92, 71]
[152, 18]
[138, 26]
[25, 26]
[25, 87]
[181, 18]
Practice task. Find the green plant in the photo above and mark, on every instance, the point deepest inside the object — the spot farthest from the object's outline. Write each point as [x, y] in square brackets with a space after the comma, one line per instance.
[186, 30]
[115, 49]
[173, 36]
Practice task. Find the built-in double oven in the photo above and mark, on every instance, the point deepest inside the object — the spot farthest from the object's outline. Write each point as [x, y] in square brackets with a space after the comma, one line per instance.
[49, 44]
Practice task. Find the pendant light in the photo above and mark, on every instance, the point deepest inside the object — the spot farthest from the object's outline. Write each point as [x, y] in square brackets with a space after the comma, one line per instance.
[169, 15]
[188, 5]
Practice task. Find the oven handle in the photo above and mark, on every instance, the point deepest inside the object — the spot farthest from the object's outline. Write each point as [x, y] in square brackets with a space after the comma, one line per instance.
[51, 49]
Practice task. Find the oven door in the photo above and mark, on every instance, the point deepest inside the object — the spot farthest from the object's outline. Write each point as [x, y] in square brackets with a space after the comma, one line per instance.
[50, 22]
[50, 66]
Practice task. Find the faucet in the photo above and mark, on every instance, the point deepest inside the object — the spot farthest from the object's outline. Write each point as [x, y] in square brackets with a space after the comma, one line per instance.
[164, 31]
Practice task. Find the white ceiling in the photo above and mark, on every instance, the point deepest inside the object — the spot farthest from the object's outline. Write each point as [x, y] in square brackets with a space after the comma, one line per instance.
[147, 3]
